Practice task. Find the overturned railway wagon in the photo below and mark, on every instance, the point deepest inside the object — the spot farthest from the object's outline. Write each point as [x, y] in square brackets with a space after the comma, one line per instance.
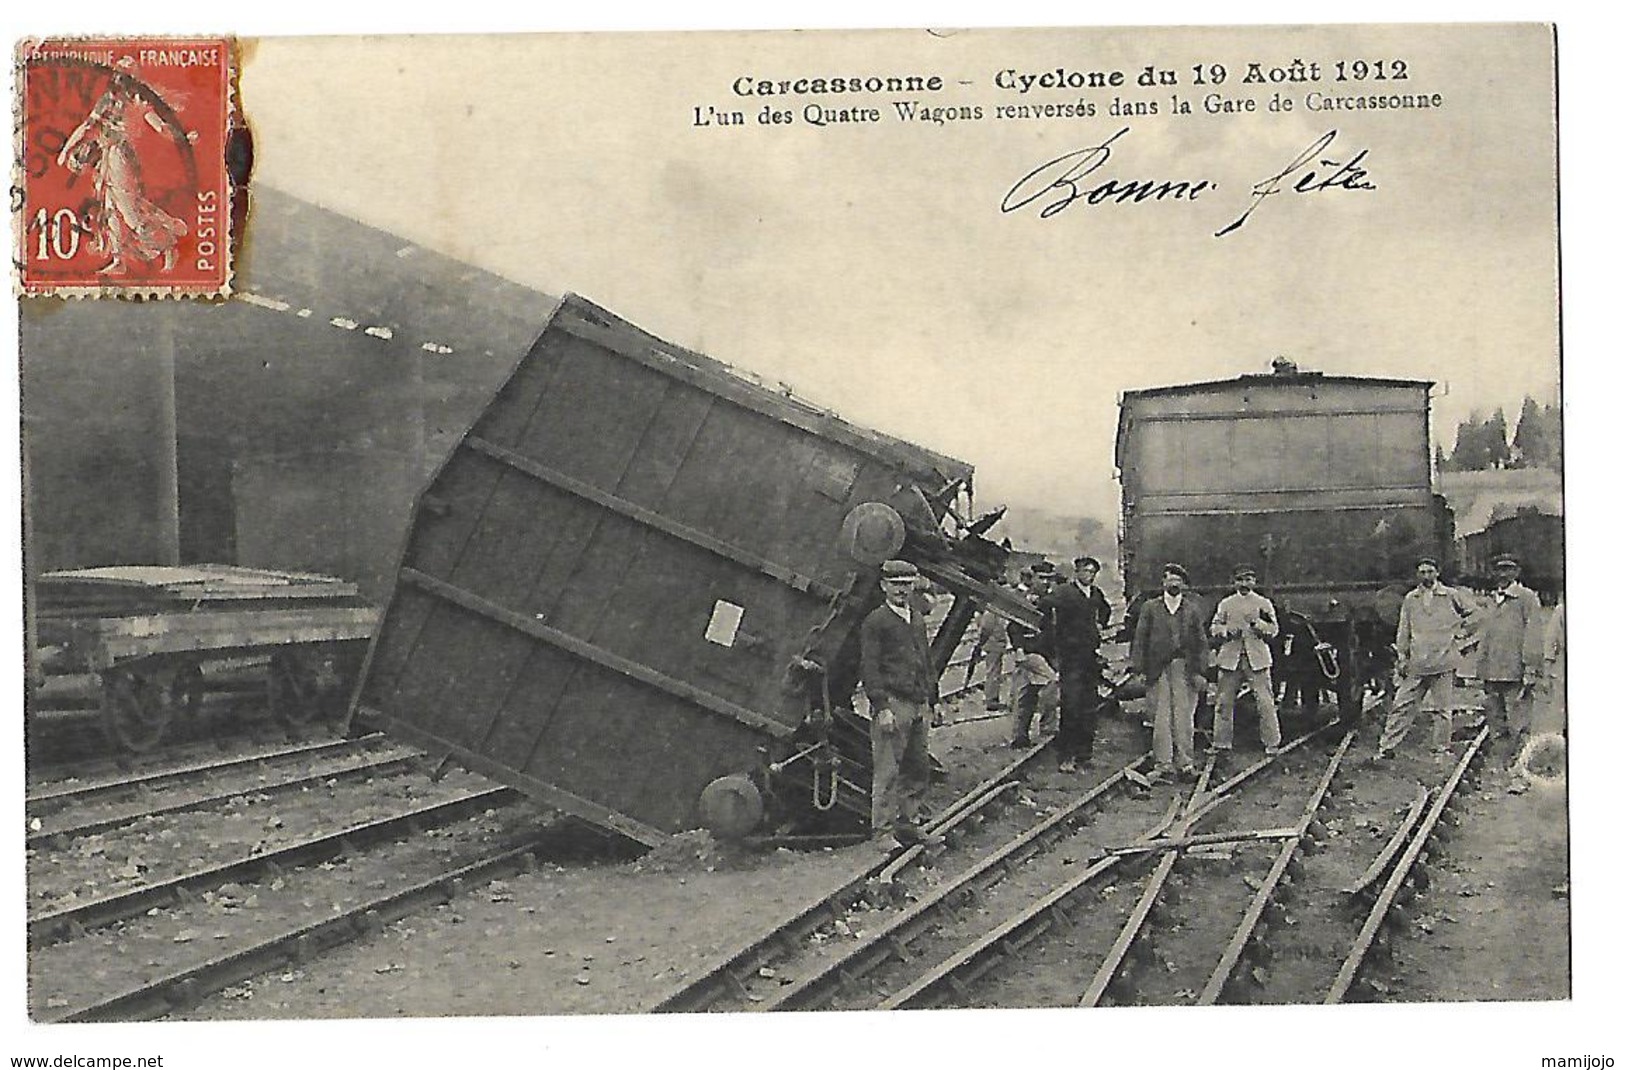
[633, 589]
[1321, 482]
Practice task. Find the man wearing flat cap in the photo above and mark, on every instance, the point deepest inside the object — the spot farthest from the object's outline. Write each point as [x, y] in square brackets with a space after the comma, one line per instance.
[1432, 629]
[1074, 613]
[902, 689]
[1035, 685]
[1509, 657]
[1244, 624]
[1170, 652]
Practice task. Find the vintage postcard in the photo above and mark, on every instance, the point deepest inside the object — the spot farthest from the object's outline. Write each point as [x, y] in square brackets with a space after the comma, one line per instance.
[645, 524]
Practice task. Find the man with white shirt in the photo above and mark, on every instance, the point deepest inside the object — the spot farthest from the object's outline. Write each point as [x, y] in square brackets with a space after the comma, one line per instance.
[1244, 624]
[901, 689]
[1432, 628]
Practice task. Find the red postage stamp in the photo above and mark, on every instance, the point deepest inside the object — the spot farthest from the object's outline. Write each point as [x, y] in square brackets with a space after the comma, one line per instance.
[121, 160]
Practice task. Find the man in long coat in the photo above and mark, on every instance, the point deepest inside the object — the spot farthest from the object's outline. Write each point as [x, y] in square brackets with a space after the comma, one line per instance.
[1510, 656]
[1432, 627]
[1073, 620]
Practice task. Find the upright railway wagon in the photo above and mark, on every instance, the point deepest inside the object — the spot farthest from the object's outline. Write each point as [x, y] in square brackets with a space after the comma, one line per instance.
[1533, 537]
[633, 589]
[146, 643]
[1322, 482]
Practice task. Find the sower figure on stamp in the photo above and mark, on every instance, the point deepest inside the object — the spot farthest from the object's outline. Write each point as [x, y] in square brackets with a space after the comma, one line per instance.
[902, 689]
[1170, 651]
[1510, 653]
[1073, 617]
[1244, 624]
[1432, 628]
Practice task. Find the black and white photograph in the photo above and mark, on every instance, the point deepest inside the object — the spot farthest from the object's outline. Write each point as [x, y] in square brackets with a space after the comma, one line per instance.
[660, 525]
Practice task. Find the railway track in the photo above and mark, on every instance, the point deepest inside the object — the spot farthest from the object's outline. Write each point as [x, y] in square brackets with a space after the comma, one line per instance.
[46, 927]
[1407, 877]
[171, 990]
[63, 816]
[869, 957]
[730, 979]
[1043, 911]
[1166, 945]
[102, 777]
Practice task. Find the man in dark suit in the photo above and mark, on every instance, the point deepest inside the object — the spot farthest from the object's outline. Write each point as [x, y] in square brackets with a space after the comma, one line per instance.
[1170, 651]
[902, 690]
[1074, 614]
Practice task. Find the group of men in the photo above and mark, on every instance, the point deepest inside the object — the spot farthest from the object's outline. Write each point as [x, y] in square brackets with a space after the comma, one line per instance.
[1443, 633]
[1175, 640]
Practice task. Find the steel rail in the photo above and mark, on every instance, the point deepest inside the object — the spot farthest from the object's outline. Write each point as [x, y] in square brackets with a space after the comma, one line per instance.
[1379, 865]
[973, 960]
[723, 976]
[1279, 872]
[1381, 910]
[159, 777]
[186, 986]
[891, 938]
[1016, 932]
[1107, 973]
[52, 926]
[379, 764]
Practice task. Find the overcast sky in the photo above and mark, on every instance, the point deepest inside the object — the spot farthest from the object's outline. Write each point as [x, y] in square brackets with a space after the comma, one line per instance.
[869, 265]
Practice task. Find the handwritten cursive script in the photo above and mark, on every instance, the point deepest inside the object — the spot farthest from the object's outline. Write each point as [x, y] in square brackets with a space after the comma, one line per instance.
[1060, 183]
[1350, 175]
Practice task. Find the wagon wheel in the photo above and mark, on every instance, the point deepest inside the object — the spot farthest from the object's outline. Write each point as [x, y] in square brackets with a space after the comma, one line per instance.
[186, 692]
[305, 686]
[137, 706]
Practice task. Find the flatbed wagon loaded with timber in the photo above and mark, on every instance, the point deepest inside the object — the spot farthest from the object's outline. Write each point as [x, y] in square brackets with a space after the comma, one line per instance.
[145, 643]
[633, 590]
[1323, 483]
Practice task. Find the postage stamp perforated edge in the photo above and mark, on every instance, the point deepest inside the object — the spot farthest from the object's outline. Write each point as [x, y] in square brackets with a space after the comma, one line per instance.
[230, 237]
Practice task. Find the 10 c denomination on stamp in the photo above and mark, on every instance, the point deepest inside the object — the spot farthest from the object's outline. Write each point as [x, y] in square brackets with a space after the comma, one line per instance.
[121, 148]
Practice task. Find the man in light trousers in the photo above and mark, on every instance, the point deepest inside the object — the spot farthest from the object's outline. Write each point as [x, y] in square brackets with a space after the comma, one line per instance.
[1170, 652]
[1244, 624]
[1432, 628]
[1510, 656]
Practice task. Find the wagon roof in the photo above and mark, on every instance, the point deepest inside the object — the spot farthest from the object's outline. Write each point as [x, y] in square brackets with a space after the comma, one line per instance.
[1272, 379]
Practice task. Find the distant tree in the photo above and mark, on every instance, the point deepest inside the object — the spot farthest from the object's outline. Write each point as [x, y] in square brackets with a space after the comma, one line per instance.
[1440, 462]
[1552, 418]
[1471, 453]
[1495, 439]
[1532, 441]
